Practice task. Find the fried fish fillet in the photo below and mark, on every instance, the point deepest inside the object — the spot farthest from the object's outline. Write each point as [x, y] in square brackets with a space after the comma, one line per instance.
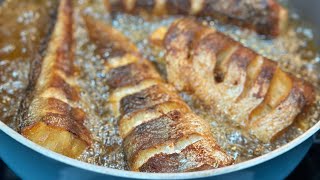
[160, 132]
[251, 90]
[52, 120]
[266, 17]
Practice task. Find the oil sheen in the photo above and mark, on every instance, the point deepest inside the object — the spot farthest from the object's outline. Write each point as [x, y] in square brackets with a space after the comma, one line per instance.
[295, 51]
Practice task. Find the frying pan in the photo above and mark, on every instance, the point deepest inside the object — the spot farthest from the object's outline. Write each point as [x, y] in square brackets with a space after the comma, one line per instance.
[31, 161]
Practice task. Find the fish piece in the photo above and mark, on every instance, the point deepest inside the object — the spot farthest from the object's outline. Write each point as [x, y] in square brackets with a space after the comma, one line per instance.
[154, 122]
[286, 98]
[266, 17]
[131, 74]
[249, 89]
[53, 120]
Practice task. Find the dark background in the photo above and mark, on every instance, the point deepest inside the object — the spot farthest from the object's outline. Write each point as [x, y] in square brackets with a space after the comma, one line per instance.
[308, 169]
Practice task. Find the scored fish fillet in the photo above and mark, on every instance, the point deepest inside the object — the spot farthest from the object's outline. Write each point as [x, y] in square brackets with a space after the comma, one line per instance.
[266, 17]
[160, 132]
[250, 89]
[53, 120]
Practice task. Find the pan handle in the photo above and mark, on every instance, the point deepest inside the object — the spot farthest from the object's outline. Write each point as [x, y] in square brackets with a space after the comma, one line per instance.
[316, 138]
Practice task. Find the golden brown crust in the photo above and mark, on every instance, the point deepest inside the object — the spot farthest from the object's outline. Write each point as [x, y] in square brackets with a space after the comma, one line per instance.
[195, 157]
[252, 90]
[57, 82]
[165, 130]
[51, 111]
[131, 74]
[270, 124]
[266, 17]
[129, 121]
[177, 44]
[154, 121]
[54, 112]
[146, 98]
[55, 139]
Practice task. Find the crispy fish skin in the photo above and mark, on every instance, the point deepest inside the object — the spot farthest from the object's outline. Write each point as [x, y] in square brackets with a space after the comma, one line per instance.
[52, 120]
[232, 79]
[160, 132]
[266, 17]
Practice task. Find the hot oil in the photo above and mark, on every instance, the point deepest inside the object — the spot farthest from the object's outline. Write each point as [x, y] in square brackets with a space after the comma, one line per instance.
[22, 26]
[294, 51]
[106, 150]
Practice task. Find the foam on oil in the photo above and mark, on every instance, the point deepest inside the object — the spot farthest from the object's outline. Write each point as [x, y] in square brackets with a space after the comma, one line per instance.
[295, 52]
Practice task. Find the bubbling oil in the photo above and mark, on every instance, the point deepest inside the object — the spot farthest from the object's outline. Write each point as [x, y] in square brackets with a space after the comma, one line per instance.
[294, 51]
[23, 24]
